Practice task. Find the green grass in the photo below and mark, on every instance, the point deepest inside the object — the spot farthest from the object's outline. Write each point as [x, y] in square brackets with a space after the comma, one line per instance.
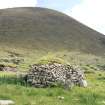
[22, 95]
[50, 57]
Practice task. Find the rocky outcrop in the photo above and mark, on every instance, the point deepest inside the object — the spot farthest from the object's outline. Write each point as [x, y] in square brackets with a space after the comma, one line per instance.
[53, 74]
[7, 68]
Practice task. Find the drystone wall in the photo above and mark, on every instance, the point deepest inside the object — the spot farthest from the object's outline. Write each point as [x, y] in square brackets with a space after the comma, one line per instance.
[53, 74]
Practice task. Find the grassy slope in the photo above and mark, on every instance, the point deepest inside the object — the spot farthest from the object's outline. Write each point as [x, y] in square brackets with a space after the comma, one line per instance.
[92, 95]
[36, 32]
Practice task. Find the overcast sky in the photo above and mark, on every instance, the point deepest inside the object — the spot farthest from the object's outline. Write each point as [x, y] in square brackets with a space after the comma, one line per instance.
[89, 12]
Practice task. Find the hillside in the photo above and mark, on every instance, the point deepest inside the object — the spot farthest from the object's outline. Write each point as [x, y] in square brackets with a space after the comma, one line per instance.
[36, 32]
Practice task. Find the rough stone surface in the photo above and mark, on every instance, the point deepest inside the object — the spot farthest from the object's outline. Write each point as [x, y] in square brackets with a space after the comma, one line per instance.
[50, 74]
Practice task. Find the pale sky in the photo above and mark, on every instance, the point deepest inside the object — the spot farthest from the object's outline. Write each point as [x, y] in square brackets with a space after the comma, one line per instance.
[89, 12]
[17, 3]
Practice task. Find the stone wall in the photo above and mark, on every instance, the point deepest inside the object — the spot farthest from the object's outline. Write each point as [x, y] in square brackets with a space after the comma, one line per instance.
[51, 74]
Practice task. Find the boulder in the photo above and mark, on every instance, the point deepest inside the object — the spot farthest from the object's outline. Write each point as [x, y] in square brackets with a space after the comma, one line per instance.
[83, 83]
[6, 102]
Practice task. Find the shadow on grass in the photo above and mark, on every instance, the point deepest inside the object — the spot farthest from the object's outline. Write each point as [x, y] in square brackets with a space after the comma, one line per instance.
[101, 78]
[12, 80]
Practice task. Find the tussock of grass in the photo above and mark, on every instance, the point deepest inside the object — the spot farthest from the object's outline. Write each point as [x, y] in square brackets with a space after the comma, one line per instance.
[11, 78]
[50, 58]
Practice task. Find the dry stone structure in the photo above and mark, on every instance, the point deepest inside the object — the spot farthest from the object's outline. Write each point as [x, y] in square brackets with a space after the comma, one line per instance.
[53, 74]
